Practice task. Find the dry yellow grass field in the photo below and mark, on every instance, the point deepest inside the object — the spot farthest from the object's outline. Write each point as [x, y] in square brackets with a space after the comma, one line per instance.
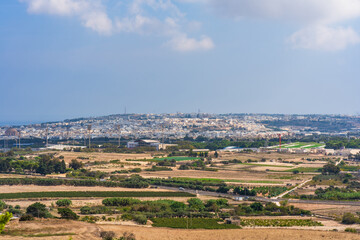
[87, 231]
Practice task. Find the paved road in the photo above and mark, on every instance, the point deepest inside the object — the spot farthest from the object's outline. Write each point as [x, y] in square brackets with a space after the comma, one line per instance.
[262, 199]
[293, 189]
[301, 184]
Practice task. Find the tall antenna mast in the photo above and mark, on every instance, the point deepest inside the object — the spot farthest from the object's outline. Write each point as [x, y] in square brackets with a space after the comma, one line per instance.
[119, 132]
[89, 130]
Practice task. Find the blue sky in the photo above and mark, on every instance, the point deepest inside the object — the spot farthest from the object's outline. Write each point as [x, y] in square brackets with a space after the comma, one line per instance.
[71, 58]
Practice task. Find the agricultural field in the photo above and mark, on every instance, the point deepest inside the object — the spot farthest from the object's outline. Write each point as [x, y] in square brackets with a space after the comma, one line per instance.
[97, 194]
[162, 188]
[177, 158]
[279, 223]
[301, 145]
[82, 230]
[192, 223]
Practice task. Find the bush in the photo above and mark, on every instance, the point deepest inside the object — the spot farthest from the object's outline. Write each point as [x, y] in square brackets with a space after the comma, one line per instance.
[4, 219]
[67, 213]
[351, 230]
[120, 201]
[38, 210]
[127, 236]
[107, 235]
[26, 217]
[63, 203]
[85, 210]
[141, 219]
[349, 218]
[2, 205]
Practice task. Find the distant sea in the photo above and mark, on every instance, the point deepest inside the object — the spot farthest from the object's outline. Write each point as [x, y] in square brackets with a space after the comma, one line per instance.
[18, 123]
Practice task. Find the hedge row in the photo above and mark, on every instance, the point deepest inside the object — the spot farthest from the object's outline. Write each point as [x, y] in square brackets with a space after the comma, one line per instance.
[91, 194]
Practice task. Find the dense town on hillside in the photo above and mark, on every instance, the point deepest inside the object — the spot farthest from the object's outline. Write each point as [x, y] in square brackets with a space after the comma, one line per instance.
[180, 125]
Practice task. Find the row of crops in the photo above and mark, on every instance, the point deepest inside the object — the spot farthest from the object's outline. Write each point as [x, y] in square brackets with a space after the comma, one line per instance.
[192, 223]
[279, 222]
[91, 194]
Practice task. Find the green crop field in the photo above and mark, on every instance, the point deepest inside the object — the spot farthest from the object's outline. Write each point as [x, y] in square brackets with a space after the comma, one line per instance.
[91, 194]
[192, 223]
[279, 222]
[217, 180]
[304, 169]
[264, 165]
[304, 145]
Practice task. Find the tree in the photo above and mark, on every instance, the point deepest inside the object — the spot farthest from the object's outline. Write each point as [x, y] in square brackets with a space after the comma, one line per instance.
[63, 202]
[223, 189]
[5, 165]
[216, 155]
[196, 204]
[60, 167]
[2, 205]
[330, 169]
[178, 206]
[38, 210]
[75, 164]
[256, 206]
[4, 219]
[67, 213]
[296, 171]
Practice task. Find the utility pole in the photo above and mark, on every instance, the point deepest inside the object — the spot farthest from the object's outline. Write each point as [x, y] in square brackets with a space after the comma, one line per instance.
[19, 135]
[47, 136]
[280, 141]
[67, 133]
[89, 130]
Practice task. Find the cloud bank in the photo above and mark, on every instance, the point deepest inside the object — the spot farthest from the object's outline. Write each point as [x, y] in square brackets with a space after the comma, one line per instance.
[321, 24]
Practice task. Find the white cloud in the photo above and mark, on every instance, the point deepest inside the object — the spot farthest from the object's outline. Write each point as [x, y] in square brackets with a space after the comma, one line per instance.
[324, 38]
[140, 17]
[183, 43]
[320, 20]
[91, 12]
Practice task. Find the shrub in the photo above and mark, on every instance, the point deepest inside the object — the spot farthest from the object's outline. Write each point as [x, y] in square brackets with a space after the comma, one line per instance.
[4, 219]
[38, 210]
[2, 205]
[26, 217]
[107, 235]
[120, 201]
[67, 213]
[127, 236]
[85, 210]
[141, 219]
[63, 202]
[349, 218]
[351, 230]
